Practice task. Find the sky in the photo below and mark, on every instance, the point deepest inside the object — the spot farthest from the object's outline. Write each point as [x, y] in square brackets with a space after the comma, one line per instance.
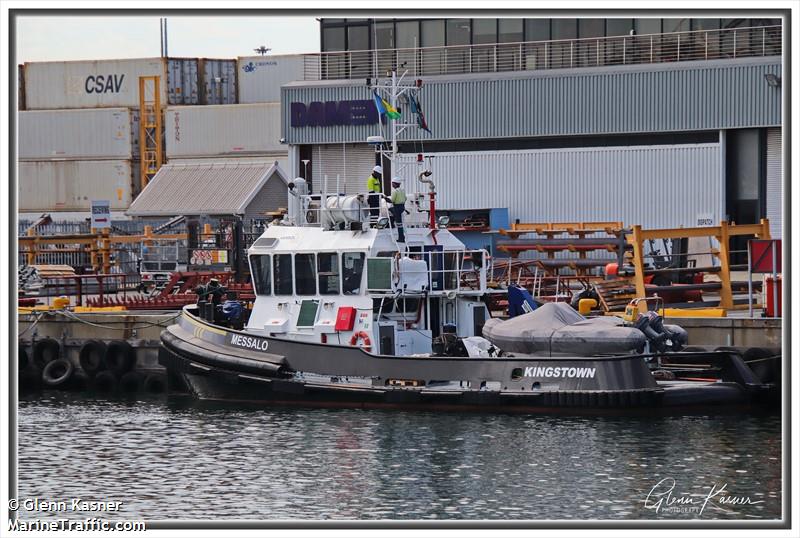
[95, 38]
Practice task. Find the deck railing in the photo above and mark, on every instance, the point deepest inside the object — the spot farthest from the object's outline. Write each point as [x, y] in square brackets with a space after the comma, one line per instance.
[537, 55]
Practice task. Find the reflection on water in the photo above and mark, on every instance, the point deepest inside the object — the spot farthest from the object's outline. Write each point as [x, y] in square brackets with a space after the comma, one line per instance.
[185, 460]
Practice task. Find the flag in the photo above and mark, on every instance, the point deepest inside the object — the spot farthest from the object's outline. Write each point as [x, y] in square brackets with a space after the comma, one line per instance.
[416, 108]
[384, 107]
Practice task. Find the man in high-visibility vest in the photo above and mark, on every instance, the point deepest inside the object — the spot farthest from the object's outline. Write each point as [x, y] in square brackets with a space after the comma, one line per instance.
[374, 191]
[398, 200]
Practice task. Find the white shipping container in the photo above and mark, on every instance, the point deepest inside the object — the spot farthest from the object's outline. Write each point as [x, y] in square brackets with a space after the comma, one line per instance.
[261, 77]
[223, 130]
[98, 133]
[72, 185]
[90, 84]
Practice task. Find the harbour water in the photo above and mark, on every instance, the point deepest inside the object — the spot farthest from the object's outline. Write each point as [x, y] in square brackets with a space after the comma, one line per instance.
[179, 459]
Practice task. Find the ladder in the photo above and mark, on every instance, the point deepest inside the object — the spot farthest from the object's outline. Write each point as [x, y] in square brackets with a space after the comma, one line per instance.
[149, 128]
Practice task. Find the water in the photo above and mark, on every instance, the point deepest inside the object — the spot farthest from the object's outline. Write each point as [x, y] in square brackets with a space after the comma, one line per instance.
[181, 459]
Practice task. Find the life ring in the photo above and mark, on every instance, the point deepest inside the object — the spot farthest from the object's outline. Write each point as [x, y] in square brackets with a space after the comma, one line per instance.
[364, 337]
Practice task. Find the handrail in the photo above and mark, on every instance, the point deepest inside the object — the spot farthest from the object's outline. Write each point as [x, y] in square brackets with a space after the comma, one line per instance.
[558, 53]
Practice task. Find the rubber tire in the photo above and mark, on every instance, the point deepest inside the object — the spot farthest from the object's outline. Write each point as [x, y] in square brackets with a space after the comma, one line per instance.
[695, 349]
[46, 350]
[91, 356]
[22, 359]
[80, 381]
[105, 381]
[119, 357]
[155, 384]
[53, 375]
[131, 382]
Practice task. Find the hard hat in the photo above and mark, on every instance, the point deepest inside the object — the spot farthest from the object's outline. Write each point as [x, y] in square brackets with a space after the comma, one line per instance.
[397, 180]
[378, 169]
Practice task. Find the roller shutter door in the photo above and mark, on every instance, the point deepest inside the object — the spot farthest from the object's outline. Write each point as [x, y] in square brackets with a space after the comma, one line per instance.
[774, 182]
[352, 162]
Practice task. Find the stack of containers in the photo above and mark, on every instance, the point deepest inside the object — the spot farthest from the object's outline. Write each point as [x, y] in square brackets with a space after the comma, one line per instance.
[245, 132]
[79, 125]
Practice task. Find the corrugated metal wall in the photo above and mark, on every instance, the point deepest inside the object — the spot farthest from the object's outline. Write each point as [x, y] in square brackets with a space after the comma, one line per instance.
[655, 186]
[775, 182]
[100, 133]
[708, 95]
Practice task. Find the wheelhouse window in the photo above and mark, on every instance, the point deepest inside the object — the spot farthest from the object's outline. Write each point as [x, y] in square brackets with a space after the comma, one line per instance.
[262, 274]
[328, 273]
[282, 268]
[352, 270]
[306, 280]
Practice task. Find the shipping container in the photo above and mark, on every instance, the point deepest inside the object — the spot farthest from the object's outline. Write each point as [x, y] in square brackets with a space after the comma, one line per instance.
[72, 185]
[261, 77]
[223, 130]
[108, 83]
[218, 86]
[182, 81]
[99, 133]
[20, 87]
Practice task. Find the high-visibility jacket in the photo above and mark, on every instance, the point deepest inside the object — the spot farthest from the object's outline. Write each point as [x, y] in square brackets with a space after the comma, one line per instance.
[374, 184]
[398, 196]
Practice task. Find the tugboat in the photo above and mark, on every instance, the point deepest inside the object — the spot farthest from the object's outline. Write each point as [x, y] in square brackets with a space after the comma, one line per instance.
[346, 315]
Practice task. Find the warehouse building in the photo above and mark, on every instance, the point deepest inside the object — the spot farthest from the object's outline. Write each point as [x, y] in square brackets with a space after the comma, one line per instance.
[659, 122]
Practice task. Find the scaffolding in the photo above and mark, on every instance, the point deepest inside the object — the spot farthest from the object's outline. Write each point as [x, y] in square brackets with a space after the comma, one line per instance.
[150, 127]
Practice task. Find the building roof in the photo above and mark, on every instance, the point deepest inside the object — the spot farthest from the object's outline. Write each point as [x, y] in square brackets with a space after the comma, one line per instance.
[203, 189]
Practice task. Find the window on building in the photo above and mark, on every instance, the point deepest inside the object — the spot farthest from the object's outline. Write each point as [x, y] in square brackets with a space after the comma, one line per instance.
[458, 31]
[433, 33]
[510, 30]
[564, 28]
[407, 35]
[615, 27]
[647, 26]
[332, 39]
[260, 266]
[537, 29]
[735, 23]
[282, 269]
[384, 35]
[675, 25]
[358, 38]
[306, 280]
[352, 270]
[591, 27]
[484, 31]
[705, 24]
[328, 273]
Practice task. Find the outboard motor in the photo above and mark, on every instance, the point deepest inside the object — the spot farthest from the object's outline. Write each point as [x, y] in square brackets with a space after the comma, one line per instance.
[520, 301]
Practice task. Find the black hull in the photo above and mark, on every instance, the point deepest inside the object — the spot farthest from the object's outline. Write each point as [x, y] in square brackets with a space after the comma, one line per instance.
[284, 372]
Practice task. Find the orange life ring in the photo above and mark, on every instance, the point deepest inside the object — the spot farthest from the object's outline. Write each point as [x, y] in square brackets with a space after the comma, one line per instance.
[364, 337]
